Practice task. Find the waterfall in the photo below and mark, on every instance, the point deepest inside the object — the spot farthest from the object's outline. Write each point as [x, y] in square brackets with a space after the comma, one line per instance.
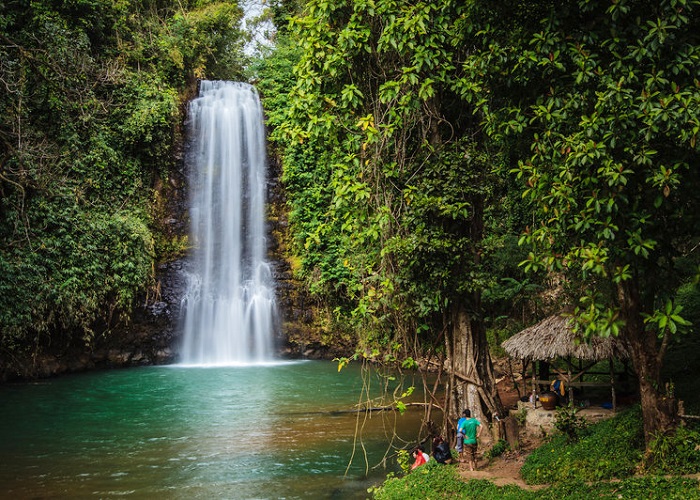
[229, 308]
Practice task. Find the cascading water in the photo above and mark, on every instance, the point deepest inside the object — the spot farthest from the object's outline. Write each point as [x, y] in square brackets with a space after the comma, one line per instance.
[229, 308]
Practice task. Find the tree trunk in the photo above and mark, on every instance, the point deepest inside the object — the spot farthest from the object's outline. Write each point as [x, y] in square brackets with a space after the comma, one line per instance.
[659, 406]
[472, 383]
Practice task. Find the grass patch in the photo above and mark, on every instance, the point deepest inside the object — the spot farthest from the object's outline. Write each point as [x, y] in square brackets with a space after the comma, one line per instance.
[651, 487]
[610, 449]
[434, 481]
[600, 464]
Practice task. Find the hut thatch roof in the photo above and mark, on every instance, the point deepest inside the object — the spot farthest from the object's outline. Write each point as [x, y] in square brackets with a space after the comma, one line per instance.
[553, 338]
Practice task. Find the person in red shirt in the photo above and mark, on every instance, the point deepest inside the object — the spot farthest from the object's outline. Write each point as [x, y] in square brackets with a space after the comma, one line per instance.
[419, 456]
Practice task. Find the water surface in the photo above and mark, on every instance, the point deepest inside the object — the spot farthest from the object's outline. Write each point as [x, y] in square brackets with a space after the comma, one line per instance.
[286, 430]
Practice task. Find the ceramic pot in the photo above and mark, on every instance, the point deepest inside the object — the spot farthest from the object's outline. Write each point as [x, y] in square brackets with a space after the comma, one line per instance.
[548, 400]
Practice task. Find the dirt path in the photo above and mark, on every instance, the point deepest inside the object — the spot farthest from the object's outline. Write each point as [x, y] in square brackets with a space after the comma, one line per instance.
[505, 469]
[502, 471]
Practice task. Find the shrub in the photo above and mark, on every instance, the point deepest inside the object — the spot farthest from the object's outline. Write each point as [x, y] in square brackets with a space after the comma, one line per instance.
[678, 453]
[569, 423]
[497, 450]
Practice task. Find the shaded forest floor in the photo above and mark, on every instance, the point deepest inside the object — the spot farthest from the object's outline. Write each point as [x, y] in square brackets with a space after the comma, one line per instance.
[502, 470]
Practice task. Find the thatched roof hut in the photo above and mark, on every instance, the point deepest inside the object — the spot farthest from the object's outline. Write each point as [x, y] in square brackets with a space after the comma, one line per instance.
[553, 338]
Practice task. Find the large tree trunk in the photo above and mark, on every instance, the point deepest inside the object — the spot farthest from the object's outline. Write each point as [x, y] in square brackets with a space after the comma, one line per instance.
[472, 383]
[659, 408]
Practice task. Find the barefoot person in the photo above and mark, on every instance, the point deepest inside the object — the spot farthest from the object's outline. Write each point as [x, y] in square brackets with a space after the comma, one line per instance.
[471, 428]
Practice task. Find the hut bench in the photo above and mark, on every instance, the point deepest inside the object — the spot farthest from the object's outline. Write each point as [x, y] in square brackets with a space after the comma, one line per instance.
[576, 384]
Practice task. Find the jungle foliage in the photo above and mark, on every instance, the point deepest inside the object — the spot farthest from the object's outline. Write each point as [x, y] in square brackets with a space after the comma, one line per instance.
[398, 203]
[92, 99]
[603, 105]
[421, 140]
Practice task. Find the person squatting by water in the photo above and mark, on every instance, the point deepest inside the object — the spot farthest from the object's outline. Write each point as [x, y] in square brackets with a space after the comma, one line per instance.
[471, 429]
[441, 451]
[420, 457]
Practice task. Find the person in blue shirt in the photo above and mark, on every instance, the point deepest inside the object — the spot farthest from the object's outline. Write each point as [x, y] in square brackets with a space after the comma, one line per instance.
[459, 445]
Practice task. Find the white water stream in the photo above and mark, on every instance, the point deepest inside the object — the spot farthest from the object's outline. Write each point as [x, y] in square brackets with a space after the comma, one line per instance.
[229, 308]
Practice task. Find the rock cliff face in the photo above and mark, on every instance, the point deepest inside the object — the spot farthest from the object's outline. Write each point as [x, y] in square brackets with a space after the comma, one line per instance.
[150, 338]
[304, 326]
[152, 335]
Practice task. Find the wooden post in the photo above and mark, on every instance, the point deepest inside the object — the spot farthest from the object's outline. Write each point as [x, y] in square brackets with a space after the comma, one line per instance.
[534, 386]
[571, 389]
[612, 386]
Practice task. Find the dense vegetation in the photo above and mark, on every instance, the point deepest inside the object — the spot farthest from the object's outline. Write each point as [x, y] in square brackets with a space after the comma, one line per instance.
[422, 140]
[92, 100]
[402, 219]
[606, 101]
